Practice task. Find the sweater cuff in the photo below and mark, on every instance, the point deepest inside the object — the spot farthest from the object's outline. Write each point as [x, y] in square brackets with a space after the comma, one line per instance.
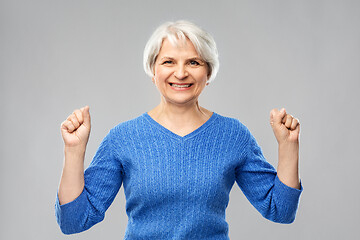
[68, 214]
[289, 194]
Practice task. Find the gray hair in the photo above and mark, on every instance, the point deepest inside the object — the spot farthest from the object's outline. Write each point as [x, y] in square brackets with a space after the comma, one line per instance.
[174, 31]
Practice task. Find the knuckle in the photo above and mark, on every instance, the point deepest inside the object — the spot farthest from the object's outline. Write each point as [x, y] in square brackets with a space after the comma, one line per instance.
[78, 116]
[74, 121]
[69, 123]
[73, 117]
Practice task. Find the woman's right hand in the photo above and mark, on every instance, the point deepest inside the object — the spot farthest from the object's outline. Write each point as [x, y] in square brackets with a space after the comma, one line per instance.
[75, 130]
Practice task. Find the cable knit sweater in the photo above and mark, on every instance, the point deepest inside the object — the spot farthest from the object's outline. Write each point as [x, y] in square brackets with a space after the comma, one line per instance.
[177, 187]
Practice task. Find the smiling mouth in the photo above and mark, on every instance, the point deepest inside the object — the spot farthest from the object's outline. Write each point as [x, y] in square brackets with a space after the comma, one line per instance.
[181, 85]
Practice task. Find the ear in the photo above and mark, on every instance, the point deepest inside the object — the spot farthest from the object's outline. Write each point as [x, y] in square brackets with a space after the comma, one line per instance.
[208, 78]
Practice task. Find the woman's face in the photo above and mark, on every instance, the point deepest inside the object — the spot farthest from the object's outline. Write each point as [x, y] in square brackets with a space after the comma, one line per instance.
[179, 73]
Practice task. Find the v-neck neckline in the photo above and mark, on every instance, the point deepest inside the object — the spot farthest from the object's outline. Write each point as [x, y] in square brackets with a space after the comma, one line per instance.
[176, 136]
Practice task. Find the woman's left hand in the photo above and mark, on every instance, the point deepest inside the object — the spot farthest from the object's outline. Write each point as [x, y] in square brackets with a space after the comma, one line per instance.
[286, 128]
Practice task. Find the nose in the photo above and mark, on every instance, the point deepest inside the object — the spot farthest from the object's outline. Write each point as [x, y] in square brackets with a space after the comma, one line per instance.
[180, 72]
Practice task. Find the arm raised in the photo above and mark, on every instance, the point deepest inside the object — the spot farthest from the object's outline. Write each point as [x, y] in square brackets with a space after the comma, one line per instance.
[75, 131]
[286, 129]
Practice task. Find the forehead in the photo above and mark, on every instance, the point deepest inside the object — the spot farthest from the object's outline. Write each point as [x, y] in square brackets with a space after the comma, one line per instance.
[179, 47]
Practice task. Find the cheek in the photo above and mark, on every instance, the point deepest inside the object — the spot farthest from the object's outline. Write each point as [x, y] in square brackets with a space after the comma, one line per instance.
[202, 75]
[161, 73]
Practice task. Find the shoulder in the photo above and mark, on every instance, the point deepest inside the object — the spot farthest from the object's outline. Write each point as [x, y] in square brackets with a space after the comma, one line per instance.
[127, 132]
[231, 123]
[237, 132]
[128, 126]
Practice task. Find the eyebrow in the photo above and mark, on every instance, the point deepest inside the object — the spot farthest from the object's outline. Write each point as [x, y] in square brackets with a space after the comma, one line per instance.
[166, 58]
[192, 58]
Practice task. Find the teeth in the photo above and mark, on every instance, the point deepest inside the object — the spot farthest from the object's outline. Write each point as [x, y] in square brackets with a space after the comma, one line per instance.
[180, 86]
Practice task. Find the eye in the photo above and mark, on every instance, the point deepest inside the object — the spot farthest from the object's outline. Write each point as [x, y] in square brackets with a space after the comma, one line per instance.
[194, 63]
[167, 62]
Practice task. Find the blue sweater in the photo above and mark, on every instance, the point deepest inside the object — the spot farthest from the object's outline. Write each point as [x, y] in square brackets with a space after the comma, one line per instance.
[177, 187]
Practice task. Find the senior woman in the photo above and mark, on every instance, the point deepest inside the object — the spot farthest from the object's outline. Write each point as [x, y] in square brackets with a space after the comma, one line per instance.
[179, 161]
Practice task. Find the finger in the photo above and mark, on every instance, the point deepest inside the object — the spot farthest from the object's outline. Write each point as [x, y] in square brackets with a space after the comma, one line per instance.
[273, 114]
[283, 117]
[288, 120]
[86, 116]
[72, 118]
[297, 128]
[294, 123]
[276, 116]
[68, 126]
[79, 116]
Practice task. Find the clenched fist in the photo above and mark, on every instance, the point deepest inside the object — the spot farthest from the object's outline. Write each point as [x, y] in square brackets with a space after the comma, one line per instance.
[286, 128]
[75, 130]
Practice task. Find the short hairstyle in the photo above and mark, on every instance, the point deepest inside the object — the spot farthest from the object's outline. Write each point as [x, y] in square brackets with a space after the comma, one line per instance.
[180, 30]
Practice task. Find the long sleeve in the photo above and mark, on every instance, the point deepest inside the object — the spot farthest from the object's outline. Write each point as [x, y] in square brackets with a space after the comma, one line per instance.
[177, 187]
[259, 182]
[103, 179]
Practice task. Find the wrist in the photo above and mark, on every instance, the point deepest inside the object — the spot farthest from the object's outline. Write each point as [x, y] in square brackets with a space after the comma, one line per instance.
[288, 144]
[74, 159]
[75, 150]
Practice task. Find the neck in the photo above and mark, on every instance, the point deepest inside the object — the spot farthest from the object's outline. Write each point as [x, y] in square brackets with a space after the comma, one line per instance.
[179, 115]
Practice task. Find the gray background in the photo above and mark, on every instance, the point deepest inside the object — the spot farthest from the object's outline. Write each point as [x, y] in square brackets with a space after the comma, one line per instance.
[56, 56]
